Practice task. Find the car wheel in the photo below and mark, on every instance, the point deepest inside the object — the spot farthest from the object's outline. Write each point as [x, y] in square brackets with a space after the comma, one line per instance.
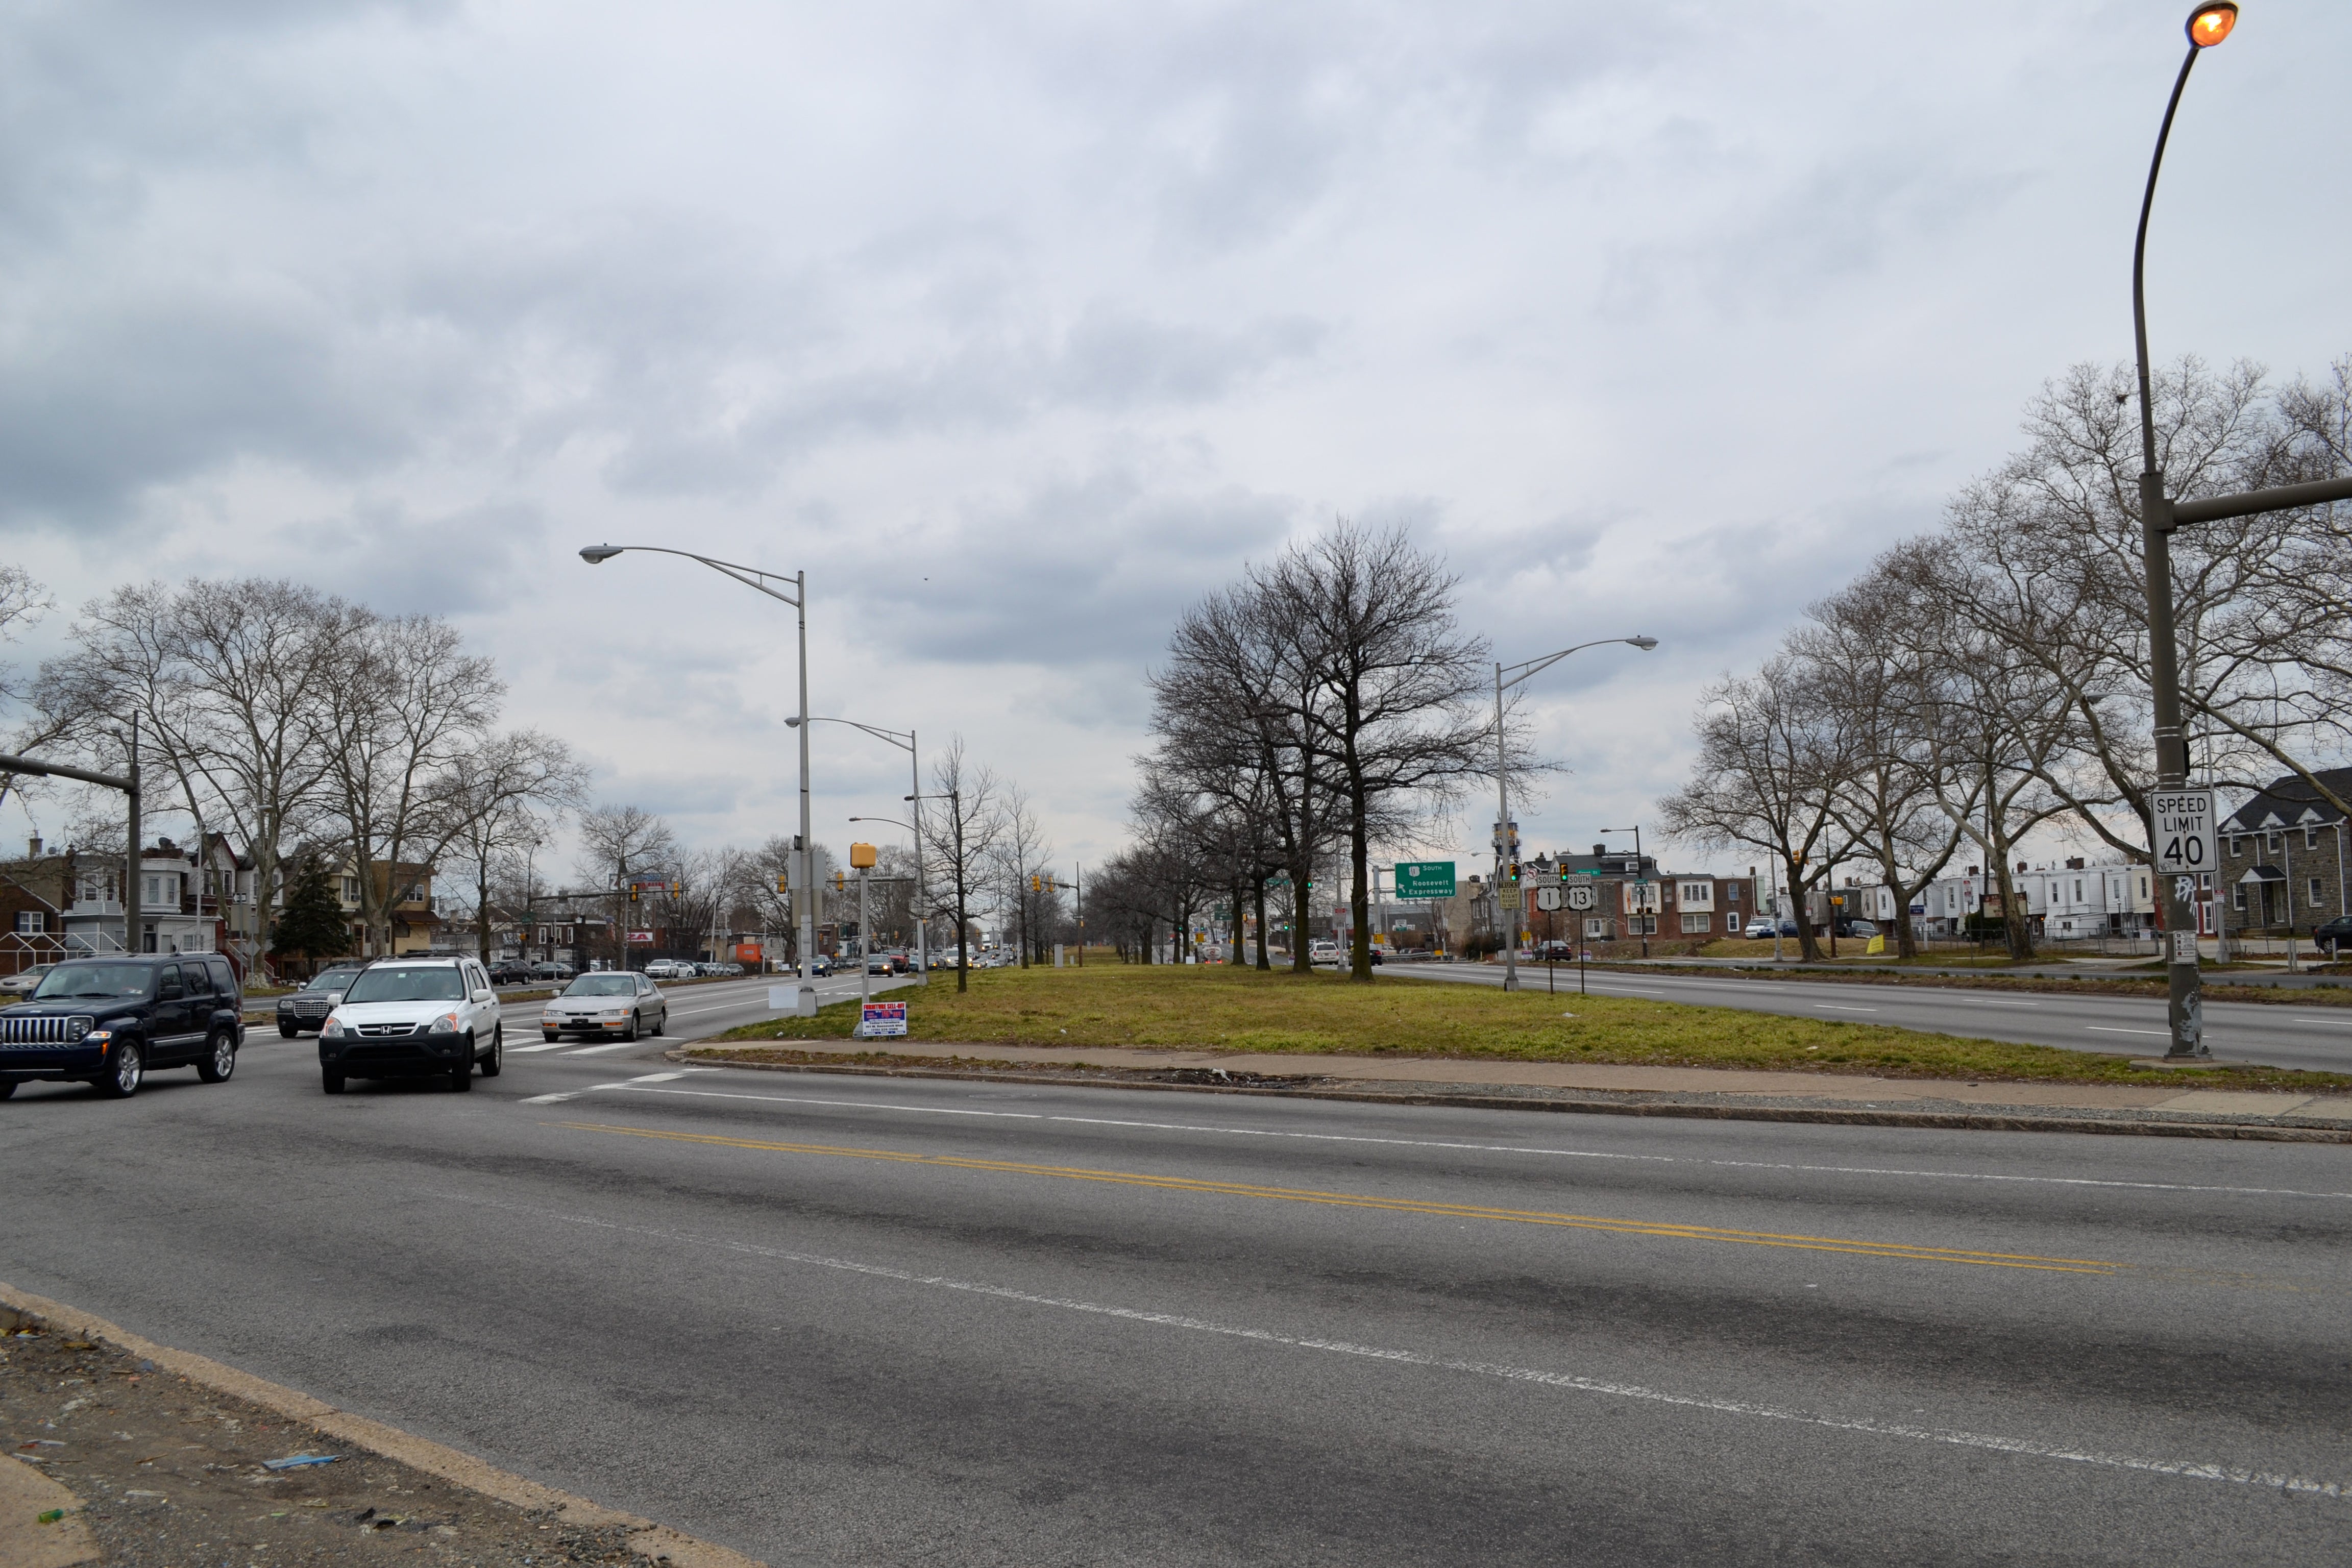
[661, 1021]
[495, 1062]
[289, 1031]
[7, 1088]
[129, 1069]
[552, 1039]
[220, 1060]
[631, 1032]
[330, 1080]
[461, 1071]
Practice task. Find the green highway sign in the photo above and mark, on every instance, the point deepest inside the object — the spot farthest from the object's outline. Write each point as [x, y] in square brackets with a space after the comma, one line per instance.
[1425, 879]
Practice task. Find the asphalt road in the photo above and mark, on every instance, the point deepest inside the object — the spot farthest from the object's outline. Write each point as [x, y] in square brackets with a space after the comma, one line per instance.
[861, 1321]
[2317, 1038]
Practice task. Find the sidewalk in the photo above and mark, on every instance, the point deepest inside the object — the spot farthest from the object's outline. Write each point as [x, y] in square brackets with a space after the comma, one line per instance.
[1565, 1086]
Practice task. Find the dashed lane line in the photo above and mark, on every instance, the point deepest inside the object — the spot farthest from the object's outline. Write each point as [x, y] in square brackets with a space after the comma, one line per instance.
[1488, 1148]
[1856, 1246]
[1863, 1425]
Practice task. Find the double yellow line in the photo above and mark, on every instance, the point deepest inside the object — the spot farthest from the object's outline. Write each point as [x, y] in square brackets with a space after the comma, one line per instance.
[1393, 1205]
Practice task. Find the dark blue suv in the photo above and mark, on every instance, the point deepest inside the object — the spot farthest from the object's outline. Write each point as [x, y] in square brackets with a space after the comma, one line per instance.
[109, 1021]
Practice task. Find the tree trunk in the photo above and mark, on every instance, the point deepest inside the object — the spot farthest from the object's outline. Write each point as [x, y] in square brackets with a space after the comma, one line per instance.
[1809, 950]
[1264, 962]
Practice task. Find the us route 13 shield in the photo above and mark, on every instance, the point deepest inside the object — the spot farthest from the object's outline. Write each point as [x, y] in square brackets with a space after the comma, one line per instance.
[1582, 896]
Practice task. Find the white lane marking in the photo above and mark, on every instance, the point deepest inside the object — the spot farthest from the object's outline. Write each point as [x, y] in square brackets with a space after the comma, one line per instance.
[2187, 1469]
[2340, 1023]
[526, 1050]
[2108, 1029]
[1988, 1002]
[550, 1098]
[1620, 985]
[1502, 1148]
[592, 1050]
[1842, 1007]
[576, 1093]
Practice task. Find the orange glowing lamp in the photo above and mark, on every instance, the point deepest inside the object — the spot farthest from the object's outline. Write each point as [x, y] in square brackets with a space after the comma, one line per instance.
[2208, 25]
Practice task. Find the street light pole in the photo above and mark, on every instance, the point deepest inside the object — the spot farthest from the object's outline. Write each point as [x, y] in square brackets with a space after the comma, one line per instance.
[1504, 846]
[803, 883]
[2208, 24]
[905, 741]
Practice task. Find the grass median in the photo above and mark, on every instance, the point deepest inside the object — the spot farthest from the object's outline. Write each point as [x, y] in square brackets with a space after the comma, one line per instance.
[1217, 1008]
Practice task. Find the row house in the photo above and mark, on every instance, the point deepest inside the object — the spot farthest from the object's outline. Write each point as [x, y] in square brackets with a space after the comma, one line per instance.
[1637, 900]
[2070, 900]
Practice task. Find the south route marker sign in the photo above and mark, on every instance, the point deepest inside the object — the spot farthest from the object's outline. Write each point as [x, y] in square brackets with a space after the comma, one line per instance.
[2187, 834]
[1425, 879]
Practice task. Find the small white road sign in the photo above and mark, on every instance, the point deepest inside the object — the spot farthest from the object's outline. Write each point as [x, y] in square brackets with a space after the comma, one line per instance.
[1547, 899]
[1582, 896]
[2188, 838]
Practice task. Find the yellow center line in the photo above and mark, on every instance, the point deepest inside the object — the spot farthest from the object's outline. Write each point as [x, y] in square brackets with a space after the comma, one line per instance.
[1394, 1206]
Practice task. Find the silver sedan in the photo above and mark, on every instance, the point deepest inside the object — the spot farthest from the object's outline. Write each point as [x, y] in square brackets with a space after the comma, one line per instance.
[613, 1004]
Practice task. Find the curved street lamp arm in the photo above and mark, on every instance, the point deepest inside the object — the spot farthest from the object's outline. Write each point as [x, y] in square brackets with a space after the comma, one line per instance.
[1535, 666]
[750, 576]
[903, 740]
[2139, 267]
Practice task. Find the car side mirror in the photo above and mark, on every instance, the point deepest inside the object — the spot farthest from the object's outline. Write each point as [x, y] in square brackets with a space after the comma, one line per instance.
[334, 999]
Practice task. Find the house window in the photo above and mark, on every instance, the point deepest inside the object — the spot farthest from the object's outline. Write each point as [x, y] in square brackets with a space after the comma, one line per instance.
[2317, 901]
[2238, 896]
[2273, 840]
[1698, 923]
[351, 889]
[2310, 836]
[1596, 929]
[31, 922]
[2237, 845]
[2078, 890]
[1731, 892]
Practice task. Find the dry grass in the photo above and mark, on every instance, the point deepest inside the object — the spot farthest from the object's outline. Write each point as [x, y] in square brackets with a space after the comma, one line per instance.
[1231, 1009]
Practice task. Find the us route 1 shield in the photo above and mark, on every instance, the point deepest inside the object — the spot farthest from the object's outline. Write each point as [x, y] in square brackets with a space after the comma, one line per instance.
[1547, 899]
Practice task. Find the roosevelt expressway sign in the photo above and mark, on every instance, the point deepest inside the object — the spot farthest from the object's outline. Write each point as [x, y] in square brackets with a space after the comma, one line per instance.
[1424, 879]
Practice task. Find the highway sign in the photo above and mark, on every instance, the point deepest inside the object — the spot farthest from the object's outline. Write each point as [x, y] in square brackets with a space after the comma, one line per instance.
[1547, 898]
[1425, 879]
[2188, 835]
[1582, 896]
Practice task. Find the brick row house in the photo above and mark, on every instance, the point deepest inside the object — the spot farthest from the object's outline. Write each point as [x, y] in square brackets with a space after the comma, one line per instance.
[2283, 857]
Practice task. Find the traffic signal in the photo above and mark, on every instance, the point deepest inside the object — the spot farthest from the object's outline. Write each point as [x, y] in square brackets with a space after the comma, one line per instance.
[840, 882]
[633, 892]
[784, 884]
[1036, 884]
[675, 889]
[1511, 873]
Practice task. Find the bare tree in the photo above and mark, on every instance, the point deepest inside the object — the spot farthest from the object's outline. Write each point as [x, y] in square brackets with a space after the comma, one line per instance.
[1771, 758]
[961, 841]
[616, 841]
[501, 796]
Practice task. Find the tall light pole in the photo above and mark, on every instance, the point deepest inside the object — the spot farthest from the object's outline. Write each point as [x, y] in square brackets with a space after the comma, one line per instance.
[905, 741]
[803, 884]
[1507, 676]
[2158, 514]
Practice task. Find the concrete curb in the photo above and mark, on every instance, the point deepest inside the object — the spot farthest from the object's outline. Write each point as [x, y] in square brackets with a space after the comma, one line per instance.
[1989, 1122]
[655, 1540]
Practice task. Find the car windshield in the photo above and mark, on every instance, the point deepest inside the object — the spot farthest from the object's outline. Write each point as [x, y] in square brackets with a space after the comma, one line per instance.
[92, 981]
[438, 983]
[603, 985]
[331, 980]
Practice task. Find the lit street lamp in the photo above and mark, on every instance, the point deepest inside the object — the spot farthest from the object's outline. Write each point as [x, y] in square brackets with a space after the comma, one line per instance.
[1506, 849]
[905, 741]
[803, 887]
[2159, 515]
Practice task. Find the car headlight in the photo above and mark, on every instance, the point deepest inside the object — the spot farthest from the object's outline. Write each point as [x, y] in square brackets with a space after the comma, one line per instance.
[100, 1036]
[333, 1026]
[446, 1024]
[616, 1011]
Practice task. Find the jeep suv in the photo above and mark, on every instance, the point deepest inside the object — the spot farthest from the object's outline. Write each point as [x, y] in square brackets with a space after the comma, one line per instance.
[414, 1017]
[108, 1021]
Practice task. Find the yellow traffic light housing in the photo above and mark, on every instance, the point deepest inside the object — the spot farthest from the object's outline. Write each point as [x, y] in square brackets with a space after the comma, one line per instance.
[861, 856]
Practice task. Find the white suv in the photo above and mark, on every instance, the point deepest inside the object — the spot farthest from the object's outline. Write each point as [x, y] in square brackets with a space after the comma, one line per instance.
[413, 1017]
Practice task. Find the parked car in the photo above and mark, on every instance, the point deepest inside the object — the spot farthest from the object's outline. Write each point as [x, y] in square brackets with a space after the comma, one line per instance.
[1845, 927]
[670, 969]
[1761, 926]
[414, 1017]
[307, 1008]
[24, 980]
[1322, 953]
[617, 1003]
[551, 971]
[509, 972]
[2335, 936]
[111, 1021]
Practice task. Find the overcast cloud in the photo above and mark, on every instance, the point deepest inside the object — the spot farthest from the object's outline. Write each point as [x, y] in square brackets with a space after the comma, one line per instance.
[1020, 326]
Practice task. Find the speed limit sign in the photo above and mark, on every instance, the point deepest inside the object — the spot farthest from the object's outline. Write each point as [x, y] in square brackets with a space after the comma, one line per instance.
[1582, 896]
[2187, 838]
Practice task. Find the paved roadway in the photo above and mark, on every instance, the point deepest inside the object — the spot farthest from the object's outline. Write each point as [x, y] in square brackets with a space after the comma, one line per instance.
[2277, 1035]
[861, 1321]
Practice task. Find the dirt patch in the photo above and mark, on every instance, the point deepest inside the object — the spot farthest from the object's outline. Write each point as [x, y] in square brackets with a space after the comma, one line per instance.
[173, 1474]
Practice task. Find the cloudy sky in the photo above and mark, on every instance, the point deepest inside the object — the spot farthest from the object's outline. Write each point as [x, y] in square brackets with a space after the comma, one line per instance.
[1020, 325]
